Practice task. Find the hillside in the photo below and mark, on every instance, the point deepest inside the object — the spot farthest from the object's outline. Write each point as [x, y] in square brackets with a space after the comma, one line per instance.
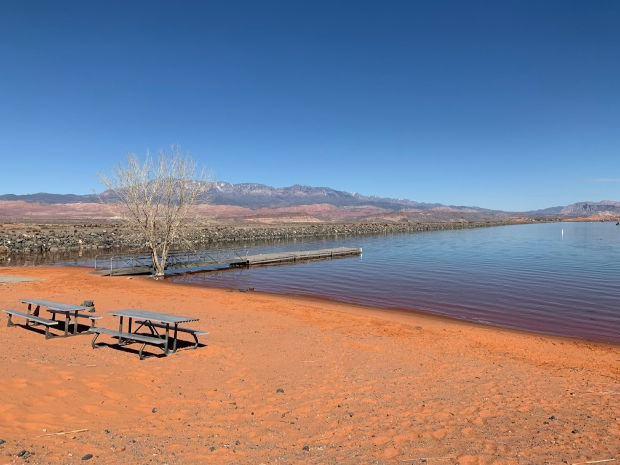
[250, 202]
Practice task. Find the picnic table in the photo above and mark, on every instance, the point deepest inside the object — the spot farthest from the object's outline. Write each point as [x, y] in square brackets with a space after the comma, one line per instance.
[152, 321]
[68, 310]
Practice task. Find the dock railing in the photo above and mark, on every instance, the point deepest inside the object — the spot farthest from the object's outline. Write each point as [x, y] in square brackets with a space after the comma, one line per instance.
[204, 259]
[117, 263]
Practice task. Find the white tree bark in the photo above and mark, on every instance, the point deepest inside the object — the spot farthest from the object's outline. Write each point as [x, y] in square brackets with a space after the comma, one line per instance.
[157, 196]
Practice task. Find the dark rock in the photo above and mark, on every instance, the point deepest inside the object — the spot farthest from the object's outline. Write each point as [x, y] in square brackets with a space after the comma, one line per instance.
[306, 448]
[350, 414]
[212, 448]
[2, 441]
[23, 453]
[154, 410]
[575, 431]
[62, 238]
[552, 417]
[87, 457]
[280, 390]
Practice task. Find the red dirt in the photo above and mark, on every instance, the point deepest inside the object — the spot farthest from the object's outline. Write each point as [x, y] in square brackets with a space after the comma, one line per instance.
[360, 385]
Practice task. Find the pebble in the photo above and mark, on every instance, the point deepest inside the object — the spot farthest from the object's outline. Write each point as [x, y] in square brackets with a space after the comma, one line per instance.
[280, 390]
[306, 448]
[154, 410]
[2, 441]
[87, 457]
[351, 414]
[552, 417]
[23, 453]
[575, 431]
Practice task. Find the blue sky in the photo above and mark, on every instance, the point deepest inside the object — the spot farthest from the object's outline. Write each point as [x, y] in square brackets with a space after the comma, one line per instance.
[512, 104]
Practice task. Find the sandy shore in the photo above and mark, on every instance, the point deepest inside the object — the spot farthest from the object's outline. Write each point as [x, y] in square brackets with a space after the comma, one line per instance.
[360, 385]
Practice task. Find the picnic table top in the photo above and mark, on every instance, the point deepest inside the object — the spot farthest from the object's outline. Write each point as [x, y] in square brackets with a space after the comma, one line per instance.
[55, 305]
[153, 316]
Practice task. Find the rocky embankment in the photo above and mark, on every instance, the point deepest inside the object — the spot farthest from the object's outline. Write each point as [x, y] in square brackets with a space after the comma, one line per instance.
[33, 239]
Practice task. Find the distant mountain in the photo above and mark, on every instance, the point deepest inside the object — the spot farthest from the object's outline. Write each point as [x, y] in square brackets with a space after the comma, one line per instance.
[250, 195]
[582, 210]
[43, 197]
[262, 196]
[259, 201]
[591, 208]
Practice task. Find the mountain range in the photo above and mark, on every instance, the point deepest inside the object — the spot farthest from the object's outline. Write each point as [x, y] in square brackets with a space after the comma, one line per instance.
[259, 202]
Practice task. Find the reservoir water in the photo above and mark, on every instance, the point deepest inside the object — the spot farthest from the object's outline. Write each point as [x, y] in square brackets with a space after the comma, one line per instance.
[554, 278]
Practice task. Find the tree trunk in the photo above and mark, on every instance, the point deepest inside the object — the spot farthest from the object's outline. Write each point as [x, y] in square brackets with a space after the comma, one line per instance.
[158, 265]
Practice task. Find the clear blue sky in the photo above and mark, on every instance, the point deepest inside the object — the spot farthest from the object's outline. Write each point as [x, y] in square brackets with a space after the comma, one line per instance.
[501, 104]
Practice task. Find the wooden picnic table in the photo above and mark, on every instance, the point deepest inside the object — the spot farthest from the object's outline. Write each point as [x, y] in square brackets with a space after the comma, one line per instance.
[151, 321]
[68, 310]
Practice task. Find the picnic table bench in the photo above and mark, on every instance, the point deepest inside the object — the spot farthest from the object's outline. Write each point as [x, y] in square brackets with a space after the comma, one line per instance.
[151, 321]
[127, 338]
[192, 331]
[34, 318]
[29, 317]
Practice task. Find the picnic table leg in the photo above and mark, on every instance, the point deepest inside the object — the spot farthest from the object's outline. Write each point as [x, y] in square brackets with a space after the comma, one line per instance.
[120, 329]
[67, 324]
[174, 341]
[130, 321]
[141, 349]
[9, 322]
[75, 323]
[167, 336]
[29, 313]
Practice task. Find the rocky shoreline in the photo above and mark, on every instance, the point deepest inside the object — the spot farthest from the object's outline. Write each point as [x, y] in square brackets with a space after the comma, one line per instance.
[16, 239]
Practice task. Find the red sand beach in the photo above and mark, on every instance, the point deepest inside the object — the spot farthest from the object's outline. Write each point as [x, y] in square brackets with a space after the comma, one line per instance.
[360, 385]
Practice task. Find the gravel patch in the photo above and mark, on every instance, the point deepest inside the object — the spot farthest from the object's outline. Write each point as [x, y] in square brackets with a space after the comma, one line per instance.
[4, 279]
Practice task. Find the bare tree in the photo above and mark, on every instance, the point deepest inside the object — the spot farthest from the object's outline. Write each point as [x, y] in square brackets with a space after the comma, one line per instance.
[156, 196]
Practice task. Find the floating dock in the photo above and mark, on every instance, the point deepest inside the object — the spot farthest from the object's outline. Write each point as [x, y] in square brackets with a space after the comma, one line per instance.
[118, 266]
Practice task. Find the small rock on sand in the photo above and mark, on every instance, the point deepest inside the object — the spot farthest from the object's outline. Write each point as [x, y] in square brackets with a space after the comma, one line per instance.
[87, 457]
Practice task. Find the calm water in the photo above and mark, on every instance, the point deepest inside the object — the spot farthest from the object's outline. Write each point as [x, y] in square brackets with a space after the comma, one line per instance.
[525, 276]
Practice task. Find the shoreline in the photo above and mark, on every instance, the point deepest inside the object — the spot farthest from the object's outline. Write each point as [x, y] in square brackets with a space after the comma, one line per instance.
[318, 299]
[21, 240]
[297, 379]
